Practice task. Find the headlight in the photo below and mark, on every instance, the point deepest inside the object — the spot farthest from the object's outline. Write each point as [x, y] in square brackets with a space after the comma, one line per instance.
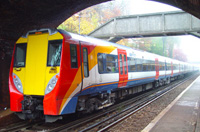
[18, 83]
[51, 84]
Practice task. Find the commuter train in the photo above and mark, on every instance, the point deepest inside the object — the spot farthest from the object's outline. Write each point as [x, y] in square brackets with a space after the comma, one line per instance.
[54, 72]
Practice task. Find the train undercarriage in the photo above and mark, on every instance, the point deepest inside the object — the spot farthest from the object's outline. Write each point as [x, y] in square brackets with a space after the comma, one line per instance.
[32, 106]
[89, 104]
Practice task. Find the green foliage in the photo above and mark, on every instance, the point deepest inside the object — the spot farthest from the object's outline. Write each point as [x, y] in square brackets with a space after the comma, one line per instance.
[157, 46]
[154, 44]
[87, 20]
[90, 18]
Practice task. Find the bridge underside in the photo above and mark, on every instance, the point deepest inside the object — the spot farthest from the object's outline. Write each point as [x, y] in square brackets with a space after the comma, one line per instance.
[19, 16]
[148, 25]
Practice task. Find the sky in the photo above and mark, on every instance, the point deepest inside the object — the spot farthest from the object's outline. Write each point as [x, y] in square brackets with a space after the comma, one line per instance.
[191, 47]
[144, 6]
[189, 44]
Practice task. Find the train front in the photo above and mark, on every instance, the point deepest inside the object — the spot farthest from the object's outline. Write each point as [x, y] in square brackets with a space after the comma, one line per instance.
[34, 72]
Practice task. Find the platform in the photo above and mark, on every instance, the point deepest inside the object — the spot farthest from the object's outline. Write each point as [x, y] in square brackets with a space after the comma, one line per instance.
[7, 117]
[182, 115]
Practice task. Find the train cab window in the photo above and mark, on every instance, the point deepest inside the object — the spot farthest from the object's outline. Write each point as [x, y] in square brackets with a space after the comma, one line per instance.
[73, 54]
[54, 53]
[132, 64]
[125, 66]
[20, 55]
[85, 62]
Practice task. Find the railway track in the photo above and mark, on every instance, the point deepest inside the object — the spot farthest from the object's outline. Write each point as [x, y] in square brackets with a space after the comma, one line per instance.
[18, 127]
[101, 120]
[130, 110]
[115, 114]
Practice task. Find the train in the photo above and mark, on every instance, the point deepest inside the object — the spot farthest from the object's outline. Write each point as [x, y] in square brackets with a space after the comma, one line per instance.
[55, 73]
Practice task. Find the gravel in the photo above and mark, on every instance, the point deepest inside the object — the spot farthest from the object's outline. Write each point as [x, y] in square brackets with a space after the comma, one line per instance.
[141, 119]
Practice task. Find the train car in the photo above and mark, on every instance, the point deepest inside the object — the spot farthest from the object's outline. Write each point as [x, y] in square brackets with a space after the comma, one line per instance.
[54, 72]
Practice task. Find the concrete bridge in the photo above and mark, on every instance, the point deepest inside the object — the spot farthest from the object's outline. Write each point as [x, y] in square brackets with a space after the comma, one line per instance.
[148, 25]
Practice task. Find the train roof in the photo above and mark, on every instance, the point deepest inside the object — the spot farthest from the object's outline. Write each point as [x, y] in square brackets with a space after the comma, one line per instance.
[104, 43]
[100, 42]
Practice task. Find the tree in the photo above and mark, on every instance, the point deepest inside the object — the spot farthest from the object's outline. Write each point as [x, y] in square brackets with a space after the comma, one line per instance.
[163, 46]
[157, 46]
[179, 55]
[88, 20]
[92, 17]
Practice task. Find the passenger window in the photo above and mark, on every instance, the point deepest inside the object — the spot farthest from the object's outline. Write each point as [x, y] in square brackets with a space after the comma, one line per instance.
[54, 53]
[73, 54]
[132, 64]
[107, 63]
[149, 65]
[139, 65]
[85, 62]
[20, 55]
[100, 63]
[145, 65]
[121, 65]
[161, 66]
[153, 65]
[111, 63]
[125, 68]
[169, 66]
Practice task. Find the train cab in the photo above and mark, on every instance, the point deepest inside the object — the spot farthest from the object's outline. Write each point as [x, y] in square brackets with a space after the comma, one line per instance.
[35, 69]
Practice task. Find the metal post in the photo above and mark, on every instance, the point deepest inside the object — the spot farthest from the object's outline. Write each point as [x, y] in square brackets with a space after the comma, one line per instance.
[79, 19]
[163, 39]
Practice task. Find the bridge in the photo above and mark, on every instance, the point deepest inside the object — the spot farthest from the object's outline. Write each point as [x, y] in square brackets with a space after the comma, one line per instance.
[148, 25]
[20, 16]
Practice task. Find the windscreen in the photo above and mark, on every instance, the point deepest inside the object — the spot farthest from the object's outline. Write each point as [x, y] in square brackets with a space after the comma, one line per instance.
[20, 55]
[54, 53]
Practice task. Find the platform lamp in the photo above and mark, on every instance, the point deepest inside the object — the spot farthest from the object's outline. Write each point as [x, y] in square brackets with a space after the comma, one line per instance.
[79, 21]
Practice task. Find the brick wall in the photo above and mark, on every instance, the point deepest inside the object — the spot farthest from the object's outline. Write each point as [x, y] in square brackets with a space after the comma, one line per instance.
[6, 49]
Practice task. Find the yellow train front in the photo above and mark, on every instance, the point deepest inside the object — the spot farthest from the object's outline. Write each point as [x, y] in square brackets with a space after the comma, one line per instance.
[36, 74]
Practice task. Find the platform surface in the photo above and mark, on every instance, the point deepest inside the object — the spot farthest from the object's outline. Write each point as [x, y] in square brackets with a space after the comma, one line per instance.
[182, 115]
[4, 113]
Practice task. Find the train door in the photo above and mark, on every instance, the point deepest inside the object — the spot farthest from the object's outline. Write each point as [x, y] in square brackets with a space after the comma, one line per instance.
[157, 68]
[123, 68]
[36, 64]
[87, 59]
[165, 68]
[172, 68]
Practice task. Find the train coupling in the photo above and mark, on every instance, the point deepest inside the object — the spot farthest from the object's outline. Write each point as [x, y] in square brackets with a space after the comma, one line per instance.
[32, 108]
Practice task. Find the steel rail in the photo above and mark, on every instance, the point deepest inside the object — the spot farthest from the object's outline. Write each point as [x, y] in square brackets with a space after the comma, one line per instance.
[133, 102]
[133, 109]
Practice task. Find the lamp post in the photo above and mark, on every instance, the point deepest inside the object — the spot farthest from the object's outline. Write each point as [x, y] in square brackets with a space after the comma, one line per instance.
[79, 16]
[79, 21]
